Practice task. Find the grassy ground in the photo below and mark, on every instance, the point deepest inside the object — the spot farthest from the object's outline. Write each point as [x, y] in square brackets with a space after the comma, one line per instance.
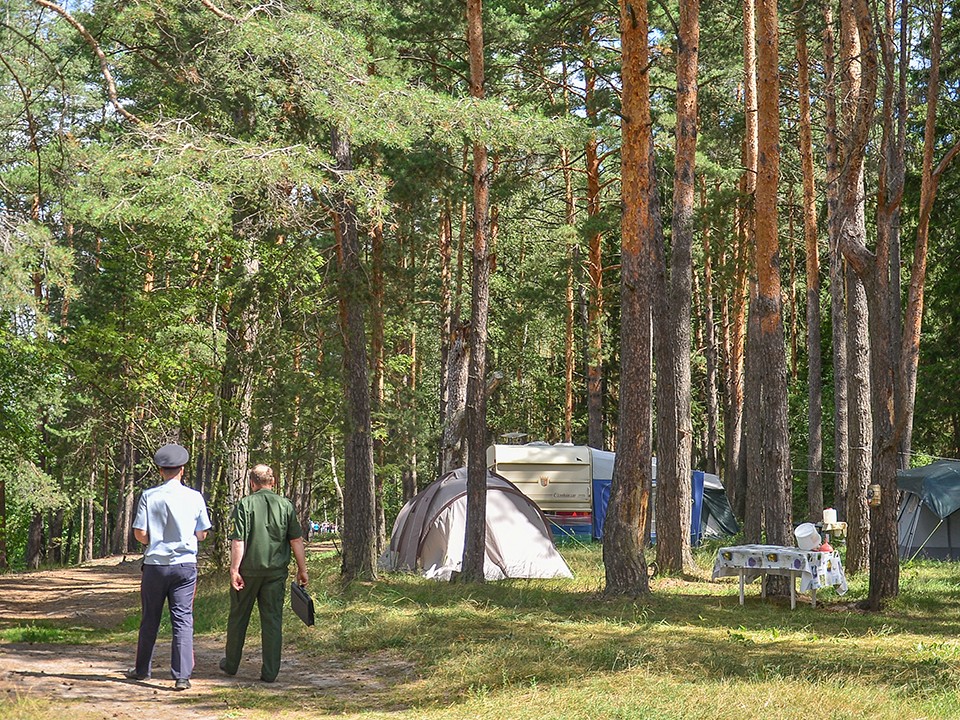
[545, 650]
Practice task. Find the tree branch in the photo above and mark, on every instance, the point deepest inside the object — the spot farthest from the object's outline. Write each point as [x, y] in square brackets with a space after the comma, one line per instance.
[947, 159]
[222, 14]
[31, 127]
[104, 67]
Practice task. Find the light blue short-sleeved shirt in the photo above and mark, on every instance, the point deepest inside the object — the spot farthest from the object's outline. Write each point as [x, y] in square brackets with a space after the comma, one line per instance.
[171, 514]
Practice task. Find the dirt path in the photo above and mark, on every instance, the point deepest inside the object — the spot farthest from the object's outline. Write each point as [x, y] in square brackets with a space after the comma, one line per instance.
[100, 595]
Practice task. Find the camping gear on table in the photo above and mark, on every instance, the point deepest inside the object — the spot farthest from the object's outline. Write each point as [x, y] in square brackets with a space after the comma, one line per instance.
[815, 570]
[807, 536]
[428, 534]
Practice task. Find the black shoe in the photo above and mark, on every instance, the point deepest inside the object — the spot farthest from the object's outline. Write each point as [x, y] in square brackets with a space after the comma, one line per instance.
[223, 667]
[267, 680]
[182, 684]
[132, 674]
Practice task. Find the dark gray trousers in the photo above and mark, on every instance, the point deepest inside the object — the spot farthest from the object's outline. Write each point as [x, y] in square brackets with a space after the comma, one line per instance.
[175, 585]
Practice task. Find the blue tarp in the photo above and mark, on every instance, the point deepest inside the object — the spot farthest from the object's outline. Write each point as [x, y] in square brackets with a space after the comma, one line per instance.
[601, 498]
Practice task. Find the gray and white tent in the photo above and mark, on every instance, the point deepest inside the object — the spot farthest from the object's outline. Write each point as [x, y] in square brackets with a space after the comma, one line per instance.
[428, 534]
[929, 521]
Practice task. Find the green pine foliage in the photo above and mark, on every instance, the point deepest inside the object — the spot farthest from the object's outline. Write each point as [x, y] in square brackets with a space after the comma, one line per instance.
[128, 251]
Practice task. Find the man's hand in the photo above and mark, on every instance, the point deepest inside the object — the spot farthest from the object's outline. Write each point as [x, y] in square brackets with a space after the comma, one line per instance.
[237, 549]
[296, 545]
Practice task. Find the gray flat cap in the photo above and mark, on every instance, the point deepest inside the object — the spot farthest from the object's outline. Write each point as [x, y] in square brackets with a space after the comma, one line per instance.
[171, 456]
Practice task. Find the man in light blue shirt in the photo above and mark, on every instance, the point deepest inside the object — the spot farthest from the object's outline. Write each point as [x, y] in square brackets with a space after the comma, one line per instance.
[171, 519]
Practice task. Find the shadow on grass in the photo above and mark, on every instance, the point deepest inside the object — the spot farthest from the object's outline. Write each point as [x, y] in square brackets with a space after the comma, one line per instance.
[415, 642]
[405, 642]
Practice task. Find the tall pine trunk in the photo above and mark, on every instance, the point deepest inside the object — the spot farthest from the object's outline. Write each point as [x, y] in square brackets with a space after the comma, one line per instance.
[672, 320]
[929, 180]
[859, 418]
[595, 369]
[873, 270]
[860, 424]
[712, 460]
[377, 384]
[741, 419]
[775, 449]
[453, 449]
[359, 529]
[814, 366]
[569, 295]
[837, 285]
[891, 179]
[236, 395]
[474, 550]
[624, 564]
[4, 562]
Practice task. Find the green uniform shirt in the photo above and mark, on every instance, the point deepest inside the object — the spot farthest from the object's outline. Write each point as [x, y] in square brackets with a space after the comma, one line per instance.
[266, 523]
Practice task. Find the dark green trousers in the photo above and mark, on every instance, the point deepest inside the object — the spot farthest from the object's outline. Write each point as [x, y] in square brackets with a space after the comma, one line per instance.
[268, 593]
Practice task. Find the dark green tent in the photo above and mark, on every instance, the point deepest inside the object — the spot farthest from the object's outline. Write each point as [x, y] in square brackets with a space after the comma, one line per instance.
[928, 523]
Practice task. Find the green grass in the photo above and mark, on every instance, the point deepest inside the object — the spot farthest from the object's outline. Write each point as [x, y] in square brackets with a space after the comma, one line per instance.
[407, 648]
[34, 633]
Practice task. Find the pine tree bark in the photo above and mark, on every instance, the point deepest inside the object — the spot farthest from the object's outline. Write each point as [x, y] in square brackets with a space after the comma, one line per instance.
[627, 514]
[570, 219]
[712, 461]
[741, 419]
[814, 365]
[34, 550]
[474, 551]
[775, 450]
[236, 394]
[595, 326]
[359, 529]
[859, 419]
[672, 319]
[837, 283]
[910, 352]
[890, 186]
[55, 549]
[377, 384]
[873, 270]
[104, 549]
[569, 295]
[447, 323]
[88, 507]
[860, 423]
[4, 561]
[120, 541]
[453, 449]
[734, 324]
[409, 477]
[751, 439]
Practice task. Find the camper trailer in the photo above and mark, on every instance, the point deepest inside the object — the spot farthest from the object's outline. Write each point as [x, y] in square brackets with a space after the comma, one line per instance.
[558, 478]
[571, 485]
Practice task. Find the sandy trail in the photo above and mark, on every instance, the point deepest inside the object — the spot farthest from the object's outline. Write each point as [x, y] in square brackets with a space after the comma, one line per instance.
[100, 595]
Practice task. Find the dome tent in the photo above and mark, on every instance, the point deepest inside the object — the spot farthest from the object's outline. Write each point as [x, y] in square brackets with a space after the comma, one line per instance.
[428, 534]
[929, 513]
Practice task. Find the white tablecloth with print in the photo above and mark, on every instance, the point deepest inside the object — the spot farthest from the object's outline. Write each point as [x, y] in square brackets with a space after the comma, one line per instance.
[816, 570]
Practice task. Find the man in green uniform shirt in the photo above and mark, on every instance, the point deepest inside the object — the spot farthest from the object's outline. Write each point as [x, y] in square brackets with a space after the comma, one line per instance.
[263, 531]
